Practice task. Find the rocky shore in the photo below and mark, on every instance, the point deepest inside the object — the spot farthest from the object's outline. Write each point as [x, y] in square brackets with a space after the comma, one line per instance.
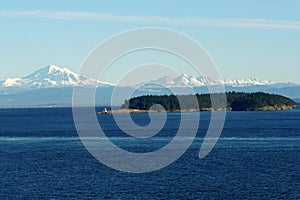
[124, 111]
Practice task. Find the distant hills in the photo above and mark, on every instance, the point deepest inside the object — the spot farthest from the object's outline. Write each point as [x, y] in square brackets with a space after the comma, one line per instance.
[53, 86]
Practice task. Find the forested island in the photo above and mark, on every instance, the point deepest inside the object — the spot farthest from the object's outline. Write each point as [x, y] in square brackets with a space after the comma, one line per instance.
[236, 101]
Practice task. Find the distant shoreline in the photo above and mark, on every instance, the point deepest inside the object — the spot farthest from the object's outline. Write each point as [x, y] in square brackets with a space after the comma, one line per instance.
[126, 111]
[137, 110]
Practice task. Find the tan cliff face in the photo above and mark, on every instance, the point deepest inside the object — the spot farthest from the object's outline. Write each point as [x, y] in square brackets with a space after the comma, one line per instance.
[283, 107]
[266, 108]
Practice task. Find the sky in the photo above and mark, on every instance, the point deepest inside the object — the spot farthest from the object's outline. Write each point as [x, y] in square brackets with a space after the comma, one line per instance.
[245, 39]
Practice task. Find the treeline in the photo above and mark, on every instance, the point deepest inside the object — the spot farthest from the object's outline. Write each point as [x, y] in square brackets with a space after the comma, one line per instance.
[237, 101]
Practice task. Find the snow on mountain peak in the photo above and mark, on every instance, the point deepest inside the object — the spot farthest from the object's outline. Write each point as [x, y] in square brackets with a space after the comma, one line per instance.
[53, 68]
[50, 70]
[11, 82]
[184, 80]
[52, 76]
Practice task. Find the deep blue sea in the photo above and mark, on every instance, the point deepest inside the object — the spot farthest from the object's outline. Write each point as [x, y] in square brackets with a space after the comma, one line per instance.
[257, 157]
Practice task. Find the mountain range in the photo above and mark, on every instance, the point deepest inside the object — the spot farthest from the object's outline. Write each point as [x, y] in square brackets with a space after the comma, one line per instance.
[52, 86]
[184, 80]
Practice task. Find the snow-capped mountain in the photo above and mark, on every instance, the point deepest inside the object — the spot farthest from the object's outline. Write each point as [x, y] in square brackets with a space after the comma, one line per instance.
[52, 85]
[51, 76]
[184, 80]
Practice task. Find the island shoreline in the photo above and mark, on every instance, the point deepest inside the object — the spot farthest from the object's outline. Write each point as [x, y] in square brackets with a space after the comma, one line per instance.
[126, 111]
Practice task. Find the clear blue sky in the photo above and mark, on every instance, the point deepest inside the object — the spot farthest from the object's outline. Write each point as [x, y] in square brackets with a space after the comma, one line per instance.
[253, 39]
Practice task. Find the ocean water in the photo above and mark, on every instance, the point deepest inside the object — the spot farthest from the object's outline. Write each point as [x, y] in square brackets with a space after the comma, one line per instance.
[257, 157]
